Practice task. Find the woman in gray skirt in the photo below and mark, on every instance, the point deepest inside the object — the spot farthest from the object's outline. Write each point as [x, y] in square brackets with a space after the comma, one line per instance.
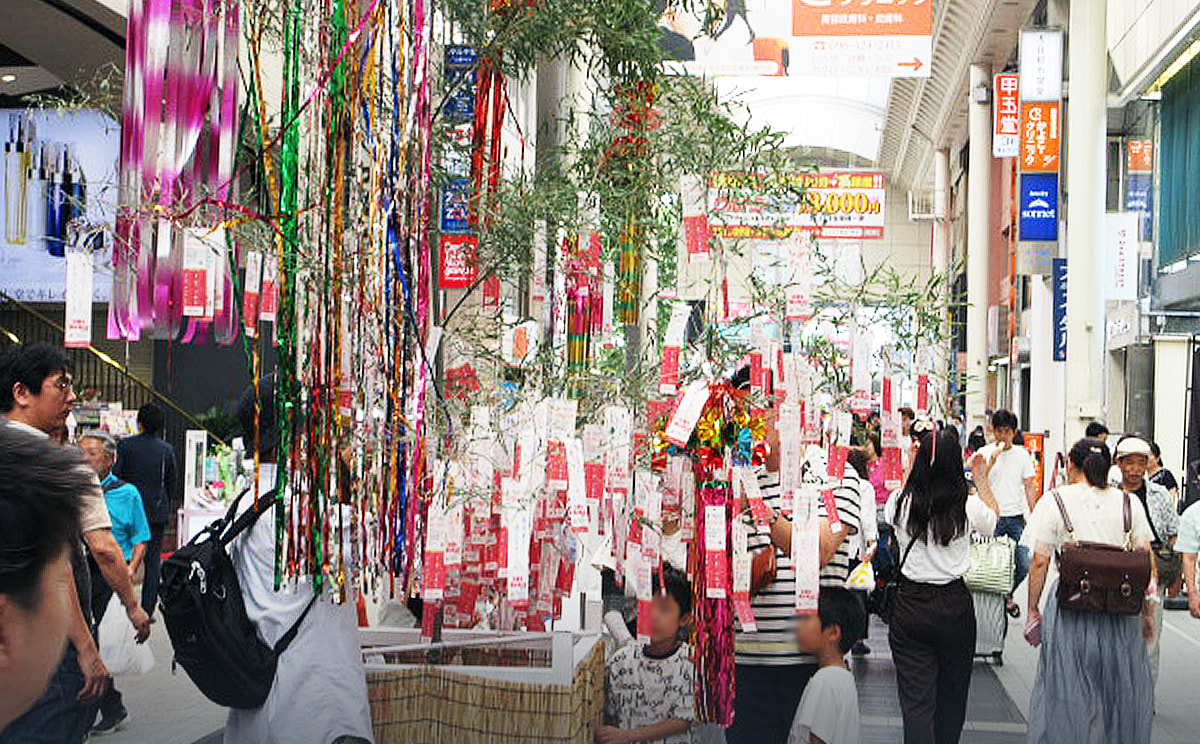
[1093, 684]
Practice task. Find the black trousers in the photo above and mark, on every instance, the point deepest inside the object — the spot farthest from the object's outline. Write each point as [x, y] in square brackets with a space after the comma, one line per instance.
[152, 566]
[765, 702]
[932, 636]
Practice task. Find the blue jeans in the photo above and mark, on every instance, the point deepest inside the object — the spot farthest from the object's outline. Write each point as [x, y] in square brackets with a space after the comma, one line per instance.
[1014, 527]
[58, 717]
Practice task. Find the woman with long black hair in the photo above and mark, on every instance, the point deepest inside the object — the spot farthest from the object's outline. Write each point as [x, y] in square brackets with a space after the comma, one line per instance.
[932, 629]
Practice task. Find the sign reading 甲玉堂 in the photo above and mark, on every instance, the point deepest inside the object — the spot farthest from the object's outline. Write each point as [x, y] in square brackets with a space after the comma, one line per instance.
[831, 204]
[1006, 116]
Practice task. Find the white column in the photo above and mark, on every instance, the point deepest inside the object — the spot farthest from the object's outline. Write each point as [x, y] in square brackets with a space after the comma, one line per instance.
[1046, 375]
[1086, 122]
[979, 236]
[940, 262]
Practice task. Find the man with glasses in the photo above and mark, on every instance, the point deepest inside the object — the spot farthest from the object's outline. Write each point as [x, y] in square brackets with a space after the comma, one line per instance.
[36, 396]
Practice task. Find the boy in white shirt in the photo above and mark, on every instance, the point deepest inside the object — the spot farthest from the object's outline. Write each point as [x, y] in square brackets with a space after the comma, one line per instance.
[828, 712]
[651, 695]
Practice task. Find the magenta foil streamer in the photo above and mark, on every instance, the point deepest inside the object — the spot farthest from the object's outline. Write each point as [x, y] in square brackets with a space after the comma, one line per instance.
[181, 84]
[714, 648]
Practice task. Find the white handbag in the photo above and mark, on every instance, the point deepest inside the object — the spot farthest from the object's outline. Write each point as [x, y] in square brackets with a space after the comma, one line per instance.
[992, 562]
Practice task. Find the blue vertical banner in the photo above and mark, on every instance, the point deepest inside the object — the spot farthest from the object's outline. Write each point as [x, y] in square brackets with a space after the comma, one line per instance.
[1039, 207]
[1059, 278]
[1139, 197]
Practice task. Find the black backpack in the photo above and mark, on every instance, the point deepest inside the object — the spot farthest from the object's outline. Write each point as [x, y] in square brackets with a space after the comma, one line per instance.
[201, 600]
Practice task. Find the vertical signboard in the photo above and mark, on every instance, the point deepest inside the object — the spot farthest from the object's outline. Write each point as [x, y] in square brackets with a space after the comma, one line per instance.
[1041, 137]
[1120, 232]
[1036, 444]
[1140, 155]
[1139, 183]
[1006, 116]
[1041, 64]
[1038, 207]
[1059, 280]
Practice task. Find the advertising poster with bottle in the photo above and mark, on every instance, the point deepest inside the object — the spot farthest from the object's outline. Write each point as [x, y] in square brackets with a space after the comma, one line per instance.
[59, 186]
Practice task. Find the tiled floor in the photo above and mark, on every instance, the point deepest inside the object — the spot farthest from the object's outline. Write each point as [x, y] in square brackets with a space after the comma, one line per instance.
[992, 716]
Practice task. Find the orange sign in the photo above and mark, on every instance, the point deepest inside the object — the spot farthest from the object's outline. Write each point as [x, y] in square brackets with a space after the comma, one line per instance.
[861, 18]
[1141, 156]
[1036, 444]
[1041, 137]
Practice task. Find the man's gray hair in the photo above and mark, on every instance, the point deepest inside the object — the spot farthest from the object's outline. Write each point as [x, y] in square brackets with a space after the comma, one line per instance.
[106, 439]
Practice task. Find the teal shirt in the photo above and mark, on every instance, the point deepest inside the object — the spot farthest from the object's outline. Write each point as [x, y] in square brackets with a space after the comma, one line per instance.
[129, 525]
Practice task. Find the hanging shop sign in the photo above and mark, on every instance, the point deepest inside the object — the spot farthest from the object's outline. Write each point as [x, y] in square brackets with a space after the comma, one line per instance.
[1121, 326]
[1041, 137]
[1139, 198]
[1041, 64]
[830, 204]
[456, 206]
[862, 38]
[457, 261]
[1139, 156]
[1039, 207]
[461, 64]
[1059, 282]
[1006, 116]
[1121, 232]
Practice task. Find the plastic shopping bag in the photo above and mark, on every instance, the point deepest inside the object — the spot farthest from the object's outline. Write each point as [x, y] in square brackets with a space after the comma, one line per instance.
[119, 650]
[862, 578]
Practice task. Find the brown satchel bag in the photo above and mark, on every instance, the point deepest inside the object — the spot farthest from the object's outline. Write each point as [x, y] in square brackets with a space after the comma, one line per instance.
[1097, 577]
[763, 569]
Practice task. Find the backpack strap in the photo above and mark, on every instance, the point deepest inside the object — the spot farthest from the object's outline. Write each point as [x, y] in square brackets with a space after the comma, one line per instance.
[290, 635]
[231, 528]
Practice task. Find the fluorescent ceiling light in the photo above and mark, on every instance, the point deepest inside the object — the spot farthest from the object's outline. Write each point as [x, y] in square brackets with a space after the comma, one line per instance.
[1174, 68]
[7, 78]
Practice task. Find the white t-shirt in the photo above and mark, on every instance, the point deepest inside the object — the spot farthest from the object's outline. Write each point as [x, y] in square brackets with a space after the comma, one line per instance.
[644, 690]
[931, 562]
[320, 688]
[1007, 478]
[829, 709]
[1096, 514]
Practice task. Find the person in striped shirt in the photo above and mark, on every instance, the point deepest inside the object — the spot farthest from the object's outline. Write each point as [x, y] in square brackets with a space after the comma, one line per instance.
[771, 673]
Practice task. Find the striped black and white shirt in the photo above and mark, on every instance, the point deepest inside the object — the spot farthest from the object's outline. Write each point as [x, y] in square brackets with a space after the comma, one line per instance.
[774, 643]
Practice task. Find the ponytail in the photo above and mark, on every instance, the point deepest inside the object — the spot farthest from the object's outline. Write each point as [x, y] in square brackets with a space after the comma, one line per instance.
[1091, 456]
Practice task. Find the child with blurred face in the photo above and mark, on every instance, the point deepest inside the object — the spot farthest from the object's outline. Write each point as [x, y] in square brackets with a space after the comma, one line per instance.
[828, 712]
[650, 688]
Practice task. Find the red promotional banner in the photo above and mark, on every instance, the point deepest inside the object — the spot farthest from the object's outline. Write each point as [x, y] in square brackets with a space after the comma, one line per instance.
[457, 266]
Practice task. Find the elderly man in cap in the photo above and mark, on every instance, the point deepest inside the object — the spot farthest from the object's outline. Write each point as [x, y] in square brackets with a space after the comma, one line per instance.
[1133, 456]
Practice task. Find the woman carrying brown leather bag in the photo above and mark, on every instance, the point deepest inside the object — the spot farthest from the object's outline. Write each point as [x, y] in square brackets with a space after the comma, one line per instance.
[1093, 683]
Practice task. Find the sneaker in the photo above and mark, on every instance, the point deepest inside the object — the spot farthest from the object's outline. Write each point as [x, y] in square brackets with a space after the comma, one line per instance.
[860, 649]
[109, 724]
